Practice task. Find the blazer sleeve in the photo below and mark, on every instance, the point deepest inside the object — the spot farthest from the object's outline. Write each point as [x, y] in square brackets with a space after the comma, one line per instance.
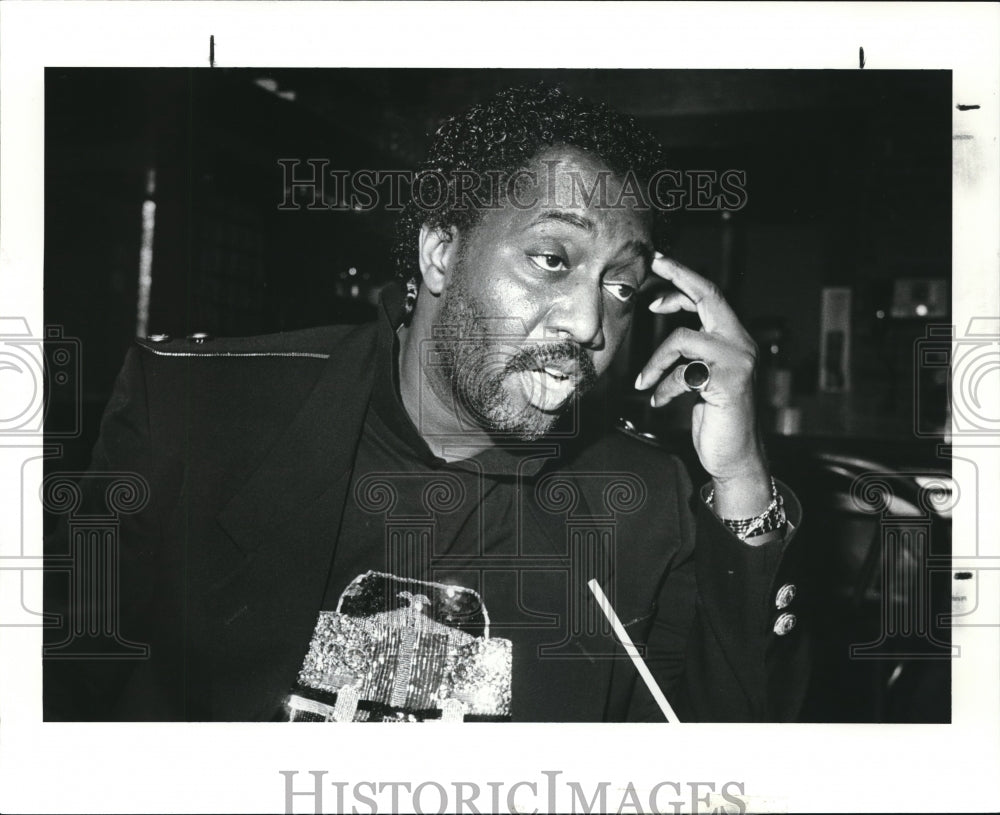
[79, 686]
[726, 644]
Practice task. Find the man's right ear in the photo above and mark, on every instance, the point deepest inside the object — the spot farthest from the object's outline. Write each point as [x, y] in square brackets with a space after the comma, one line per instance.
[436, 252]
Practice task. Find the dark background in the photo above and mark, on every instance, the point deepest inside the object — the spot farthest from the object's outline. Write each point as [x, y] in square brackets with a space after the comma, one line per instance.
[848, 182]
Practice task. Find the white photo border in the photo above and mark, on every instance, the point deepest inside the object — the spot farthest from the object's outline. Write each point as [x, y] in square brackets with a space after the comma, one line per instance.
[202, 767]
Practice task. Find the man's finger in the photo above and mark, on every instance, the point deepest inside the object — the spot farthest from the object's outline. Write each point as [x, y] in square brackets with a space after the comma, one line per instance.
[673, 302]
[716, 314]
[682, 342]
[672, 386]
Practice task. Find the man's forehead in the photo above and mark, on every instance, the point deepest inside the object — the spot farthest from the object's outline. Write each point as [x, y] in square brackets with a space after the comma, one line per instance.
[568, 175]
[569, 186]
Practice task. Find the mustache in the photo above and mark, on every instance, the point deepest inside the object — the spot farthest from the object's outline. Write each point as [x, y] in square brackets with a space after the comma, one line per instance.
[538, 356]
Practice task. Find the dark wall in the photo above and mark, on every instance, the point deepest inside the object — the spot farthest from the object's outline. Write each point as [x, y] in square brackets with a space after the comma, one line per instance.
[848, 183]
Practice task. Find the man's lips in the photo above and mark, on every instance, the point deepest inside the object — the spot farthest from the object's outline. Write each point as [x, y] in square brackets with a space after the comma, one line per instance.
[548, 388]
[551, 374]
[559, 372]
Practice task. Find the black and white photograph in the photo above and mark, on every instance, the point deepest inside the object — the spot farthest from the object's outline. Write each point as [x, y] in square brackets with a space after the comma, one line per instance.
[344, 499]
[505, 403]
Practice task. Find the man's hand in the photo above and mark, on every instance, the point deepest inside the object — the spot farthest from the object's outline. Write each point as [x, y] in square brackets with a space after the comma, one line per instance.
[723, 423]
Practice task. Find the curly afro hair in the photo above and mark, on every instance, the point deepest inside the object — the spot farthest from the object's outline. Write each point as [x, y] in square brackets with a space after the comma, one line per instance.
[503, 135]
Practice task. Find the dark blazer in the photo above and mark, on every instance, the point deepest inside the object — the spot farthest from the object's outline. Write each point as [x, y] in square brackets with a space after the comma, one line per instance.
[247, 448]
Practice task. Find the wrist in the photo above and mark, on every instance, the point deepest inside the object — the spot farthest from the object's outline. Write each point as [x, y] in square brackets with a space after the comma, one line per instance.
[759, 528]
[744, 495]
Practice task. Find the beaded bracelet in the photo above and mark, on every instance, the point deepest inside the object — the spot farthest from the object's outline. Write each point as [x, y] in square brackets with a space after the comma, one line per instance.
[769, 520]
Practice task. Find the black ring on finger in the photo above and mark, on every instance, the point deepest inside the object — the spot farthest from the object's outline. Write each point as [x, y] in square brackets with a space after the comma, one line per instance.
[696, 375]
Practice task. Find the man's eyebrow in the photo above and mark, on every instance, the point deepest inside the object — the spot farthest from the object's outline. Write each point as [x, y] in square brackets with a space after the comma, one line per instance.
[641, 248]
[571, 218]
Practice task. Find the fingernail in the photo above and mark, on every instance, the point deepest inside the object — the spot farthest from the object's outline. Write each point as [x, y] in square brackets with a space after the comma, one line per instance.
[656, 303]
[652, 400]
[638, 381]
[658, 254]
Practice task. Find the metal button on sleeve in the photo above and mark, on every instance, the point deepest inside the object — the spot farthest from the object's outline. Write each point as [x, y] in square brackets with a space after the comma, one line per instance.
[159, 338]
[199, 336]
[784, 624]
[784, 596]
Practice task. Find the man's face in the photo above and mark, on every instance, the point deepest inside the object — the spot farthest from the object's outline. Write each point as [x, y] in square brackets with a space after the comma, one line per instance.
[538, 299]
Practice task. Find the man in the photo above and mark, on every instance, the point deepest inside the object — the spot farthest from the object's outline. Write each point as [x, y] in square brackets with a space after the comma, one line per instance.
[399, 521]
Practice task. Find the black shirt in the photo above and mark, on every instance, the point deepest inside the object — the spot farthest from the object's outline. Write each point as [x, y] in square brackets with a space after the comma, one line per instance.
[416, 525]
[412, 513]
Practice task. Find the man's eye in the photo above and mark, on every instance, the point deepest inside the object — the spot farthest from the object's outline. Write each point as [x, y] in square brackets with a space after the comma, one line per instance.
[549, 262]
[620, 291]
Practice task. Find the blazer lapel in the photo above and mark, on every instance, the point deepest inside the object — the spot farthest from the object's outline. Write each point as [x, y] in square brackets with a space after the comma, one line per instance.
[286, 519]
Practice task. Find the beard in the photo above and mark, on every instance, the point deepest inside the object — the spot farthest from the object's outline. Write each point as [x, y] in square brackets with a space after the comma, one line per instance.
[493, 379]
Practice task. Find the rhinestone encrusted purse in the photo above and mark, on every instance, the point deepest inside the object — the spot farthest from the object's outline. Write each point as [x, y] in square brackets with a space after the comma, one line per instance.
[398, 650]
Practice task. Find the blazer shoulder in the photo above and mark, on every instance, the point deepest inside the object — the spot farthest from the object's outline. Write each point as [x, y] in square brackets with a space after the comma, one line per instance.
[624, 446]
[311, 343]
[627, 429]
[640, 445]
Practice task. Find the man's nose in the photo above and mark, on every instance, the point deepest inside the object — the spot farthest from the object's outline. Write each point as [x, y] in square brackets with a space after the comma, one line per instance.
[578, 314]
